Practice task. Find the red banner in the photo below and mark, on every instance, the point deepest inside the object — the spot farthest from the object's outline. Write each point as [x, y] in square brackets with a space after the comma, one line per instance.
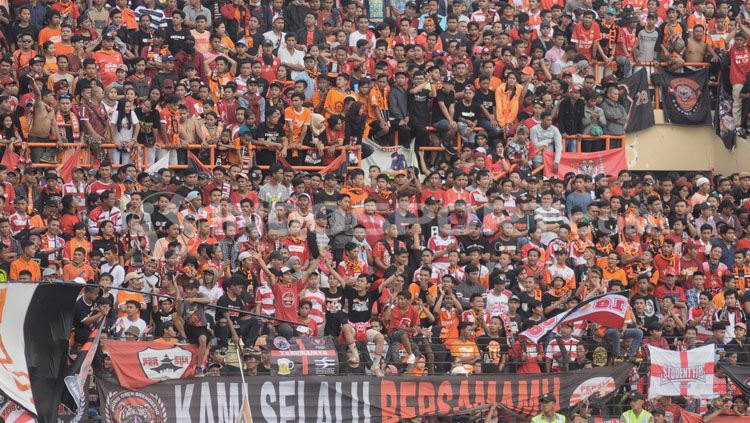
[609, 162]
[138, 364]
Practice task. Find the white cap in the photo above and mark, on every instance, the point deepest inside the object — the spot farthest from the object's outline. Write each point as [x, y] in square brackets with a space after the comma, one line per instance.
[701, 181]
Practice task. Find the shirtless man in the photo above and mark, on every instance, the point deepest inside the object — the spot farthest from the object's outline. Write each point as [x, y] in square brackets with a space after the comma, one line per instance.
[697, 50]
[189, 131]
[43, 127]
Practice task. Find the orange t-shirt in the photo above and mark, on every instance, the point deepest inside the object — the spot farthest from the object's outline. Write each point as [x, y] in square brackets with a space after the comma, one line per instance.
[64, 49]
[124, 296]
[49, 34]
[18, 265]
[70, 272]
[107, 62]
[295, 121]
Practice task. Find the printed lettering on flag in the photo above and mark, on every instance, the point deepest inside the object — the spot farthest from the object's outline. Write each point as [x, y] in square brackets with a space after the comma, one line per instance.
[607, 310]
[682, 372]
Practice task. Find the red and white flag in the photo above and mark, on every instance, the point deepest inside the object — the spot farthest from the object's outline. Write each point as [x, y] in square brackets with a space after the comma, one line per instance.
[682, 372]
[608, 310]
[138, 364]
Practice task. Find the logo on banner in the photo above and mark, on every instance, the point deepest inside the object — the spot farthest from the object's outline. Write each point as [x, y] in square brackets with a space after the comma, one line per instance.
[130, 406]
[686, 93]
[165, 364]
[602, 386]
[671, 374]
[589, 167]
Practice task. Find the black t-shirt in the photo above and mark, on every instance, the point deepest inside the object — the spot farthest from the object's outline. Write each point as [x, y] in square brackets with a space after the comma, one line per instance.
[547, 300]
[481, 243]
[492, 350]
[500, 245]
[328, 200]
[470, 112]
[184, 190]
[652, 305]
[16, 31]
[419, 110]
[149, 126]
[334, 302]
[486, 100]
[81, 311]
[270, 133]
[446, 98]
[140, 39]
[160, 221]
[175, 38]
[599, 352]
[359, 308]
[160, 319]
[238, 304]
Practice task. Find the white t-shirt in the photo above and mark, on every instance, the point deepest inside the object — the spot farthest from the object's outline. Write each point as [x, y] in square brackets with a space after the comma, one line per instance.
[125, 133]
[123, 324]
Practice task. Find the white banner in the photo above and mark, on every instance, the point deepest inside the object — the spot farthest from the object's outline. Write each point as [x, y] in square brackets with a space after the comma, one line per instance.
[389, 159]
[608, 310]
[14, 372]
[682, 372]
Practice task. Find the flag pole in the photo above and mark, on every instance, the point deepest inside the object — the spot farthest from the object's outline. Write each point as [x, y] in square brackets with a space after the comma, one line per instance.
[245, 415]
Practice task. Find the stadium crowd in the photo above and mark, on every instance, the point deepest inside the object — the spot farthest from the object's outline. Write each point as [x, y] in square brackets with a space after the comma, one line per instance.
[429, 269]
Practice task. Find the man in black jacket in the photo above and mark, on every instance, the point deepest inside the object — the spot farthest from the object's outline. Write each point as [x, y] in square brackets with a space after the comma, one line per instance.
[310, 35]
[570, 117]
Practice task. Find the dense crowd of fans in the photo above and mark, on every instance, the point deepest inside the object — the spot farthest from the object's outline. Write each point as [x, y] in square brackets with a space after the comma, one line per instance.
[425, 270]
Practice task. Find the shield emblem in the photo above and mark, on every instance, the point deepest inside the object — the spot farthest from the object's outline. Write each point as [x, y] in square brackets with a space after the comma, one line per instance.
[171, 363]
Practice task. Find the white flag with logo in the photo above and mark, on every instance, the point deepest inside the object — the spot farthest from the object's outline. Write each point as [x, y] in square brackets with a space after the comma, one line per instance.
[682, 372]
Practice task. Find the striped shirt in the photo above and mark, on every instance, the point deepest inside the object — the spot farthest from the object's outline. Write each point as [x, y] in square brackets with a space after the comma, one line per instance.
[264, 296]
[550, 216]
[158, 18]
[318, 300]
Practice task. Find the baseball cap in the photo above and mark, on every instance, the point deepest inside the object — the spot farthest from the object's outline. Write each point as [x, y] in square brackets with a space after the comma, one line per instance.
[547, 398]
[192, 195]
[268, 43]
[132, 275]
[48, 272]
[285, 270]
[122, 68]
[244, 256]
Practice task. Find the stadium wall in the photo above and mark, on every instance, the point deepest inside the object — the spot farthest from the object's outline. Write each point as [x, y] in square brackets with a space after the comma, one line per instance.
[667, 147]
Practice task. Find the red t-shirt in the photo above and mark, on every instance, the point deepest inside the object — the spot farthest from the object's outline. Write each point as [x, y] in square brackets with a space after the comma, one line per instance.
[585, 39]
[739, 65]
[403, 319]
[286, 299]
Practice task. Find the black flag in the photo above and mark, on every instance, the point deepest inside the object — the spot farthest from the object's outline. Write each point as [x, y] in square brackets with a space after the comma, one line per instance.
[686, 97]
[637, 100]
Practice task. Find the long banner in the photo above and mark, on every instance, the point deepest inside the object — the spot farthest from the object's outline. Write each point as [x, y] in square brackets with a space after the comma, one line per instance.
[349, 398]
[608, 162]
[608, 310]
